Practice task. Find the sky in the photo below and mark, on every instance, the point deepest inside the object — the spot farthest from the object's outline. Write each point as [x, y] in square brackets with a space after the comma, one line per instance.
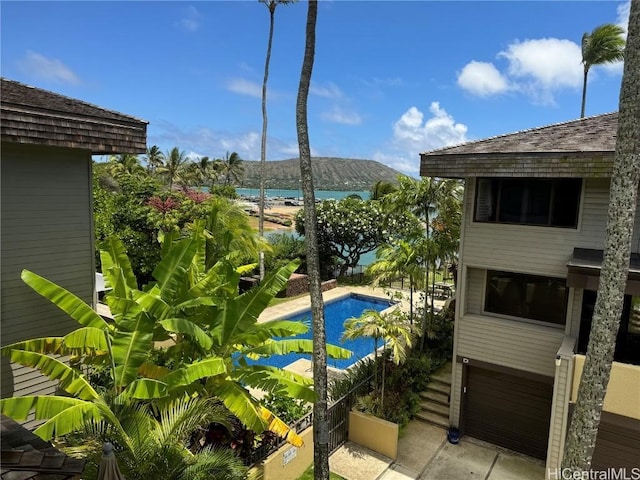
[391, 79]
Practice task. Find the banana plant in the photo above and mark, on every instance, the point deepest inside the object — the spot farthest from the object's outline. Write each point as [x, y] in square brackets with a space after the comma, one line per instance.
[212, 328]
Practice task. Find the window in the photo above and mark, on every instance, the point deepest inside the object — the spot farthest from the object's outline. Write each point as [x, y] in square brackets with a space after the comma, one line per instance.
[527, 201]
[628, 339]
[526, 296]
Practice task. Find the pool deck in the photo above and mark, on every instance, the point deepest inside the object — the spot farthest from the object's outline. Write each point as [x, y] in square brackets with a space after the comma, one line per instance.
[304, 302]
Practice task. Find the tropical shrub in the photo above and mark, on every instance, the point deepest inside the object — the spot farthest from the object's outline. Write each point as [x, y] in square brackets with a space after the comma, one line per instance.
[287, 409]
[215, 331]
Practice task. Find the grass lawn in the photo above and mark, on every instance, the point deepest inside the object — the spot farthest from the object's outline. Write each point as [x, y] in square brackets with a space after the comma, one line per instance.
[308, 475]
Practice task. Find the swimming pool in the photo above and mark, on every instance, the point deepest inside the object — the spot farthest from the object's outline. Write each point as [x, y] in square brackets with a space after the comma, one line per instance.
[335, 313]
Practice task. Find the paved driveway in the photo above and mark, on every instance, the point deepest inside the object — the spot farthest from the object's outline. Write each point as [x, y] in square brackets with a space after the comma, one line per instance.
[425, 454]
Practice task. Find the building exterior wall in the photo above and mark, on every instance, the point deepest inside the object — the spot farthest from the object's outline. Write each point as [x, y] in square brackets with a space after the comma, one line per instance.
[520, 344]
[46, 228]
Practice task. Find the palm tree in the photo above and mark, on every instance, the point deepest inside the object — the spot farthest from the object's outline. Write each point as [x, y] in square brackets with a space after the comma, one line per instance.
[156, 442]
[174, 162]
[397, 260]
[604, 44]
[155, 158]
[381, 188]
[271, 5]
[232, 168]
[394, 331]
[583, 429]
[125, 164]
[320, 417]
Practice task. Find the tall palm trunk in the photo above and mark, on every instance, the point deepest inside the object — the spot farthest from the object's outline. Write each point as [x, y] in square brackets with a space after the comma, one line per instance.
[584, 91]
[320, 423]
[581, 437]
[263, 147]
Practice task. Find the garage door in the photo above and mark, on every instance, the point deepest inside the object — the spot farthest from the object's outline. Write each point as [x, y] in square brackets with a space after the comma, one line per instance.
[617, 444]
[507, 409]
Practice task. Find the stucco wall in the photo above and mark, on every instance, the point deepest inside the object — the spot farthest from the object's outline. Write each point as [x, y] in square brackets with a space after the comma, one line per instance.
[623, 391]
[289, 462]
[374, 433]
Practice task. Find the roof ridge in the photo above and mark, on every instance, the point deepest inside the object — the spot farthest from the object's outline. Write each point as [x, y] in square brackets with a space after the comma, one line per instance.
[526, 130]
[71, 99]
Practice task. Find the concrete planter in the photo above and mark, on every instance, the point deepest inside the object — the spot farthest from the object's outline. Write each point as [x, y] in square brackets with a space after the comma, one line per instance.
[288, 462]
[374, 433]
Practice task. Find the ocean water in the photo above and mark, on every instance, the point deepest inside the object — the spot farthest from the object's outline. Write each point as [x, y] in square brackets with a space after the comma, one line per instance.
[297, 194]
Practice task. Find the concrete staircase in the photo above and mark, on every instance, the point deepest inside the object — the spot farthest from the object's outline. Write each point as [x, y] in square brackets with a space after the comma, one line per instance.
[434, 404]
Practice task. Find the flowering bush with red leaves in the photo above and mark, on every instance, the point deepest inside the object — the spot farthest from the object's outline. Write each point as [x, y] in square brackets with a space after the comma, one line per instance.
[163, 206]
[197, 197]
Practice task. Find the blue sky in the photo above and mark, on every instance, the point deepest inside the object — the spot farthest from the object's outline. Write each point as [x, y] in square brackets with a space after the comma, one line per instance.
[391, 78]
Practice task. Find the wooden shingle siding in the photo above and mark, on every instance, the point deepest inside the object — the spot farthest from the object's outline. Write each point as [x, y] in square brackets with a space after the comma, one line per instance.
[32, 116]
[581, 148]
[46, 228]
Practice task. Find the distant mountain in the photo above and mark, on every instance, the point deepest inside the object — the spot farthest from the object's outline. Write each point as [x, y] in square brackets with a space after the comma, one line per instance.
[328, 173]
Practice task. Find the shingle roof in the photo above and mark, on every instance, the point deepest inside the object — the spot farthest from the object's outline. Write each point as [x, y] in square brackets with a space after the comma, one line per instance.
[25, 456]
[583, 147]
[31, 115]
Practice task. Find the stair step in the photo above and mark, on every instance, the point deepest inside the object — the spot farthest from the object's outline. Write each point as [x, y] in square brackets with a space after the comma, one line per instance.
[439, 387]
[433, 418]
[435, 408]
[445, 379]
[435, 396]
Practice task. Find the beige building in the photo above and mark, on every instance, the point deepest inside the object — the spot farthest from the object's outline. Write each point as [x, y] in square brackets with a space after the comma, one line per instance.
[46, 210]
[534, 216]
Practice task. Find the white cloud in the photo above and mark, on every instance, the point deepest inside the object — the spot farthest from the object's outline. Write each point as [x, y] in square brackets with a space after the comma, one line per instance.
[245, 87]
[623, 15]
[331, 90]
[482, 79]
[412, 134]
[50, 69]
[191, 20]
[538, 68]
[550, 63]
[339, 115]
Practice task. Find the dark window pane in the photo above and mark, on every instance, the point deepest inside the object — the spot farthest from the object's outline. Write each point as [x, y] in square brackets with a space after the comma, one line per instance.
[511, 199]
[528, 201]
[566, 202]
[538, 196]
[526, 296]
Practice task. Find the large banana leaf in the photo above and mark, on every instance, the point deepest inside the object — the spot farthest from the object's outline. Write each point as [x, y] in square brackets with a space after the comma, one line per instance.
[70, 380]
[144, 389]
[113, 254]
[86, 340]
[275, 380]
[263, 331]
[283, 347]
[130, 350]
[277, 426]
[210, 367]
[171, 272]
[64, 414]
[240, 403]
[221, 278]
[242, 312]
[182, 325]
[151, 303]
[64, 300]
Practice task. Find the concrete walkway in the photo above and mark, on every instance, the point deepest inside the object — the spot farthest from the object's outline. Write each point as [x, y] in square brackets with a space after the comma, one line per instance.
[425, 454]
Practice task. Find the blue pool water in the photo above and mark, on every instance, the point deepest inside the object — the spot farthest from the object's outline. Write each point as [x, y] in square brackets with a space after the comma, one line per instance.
[335, 312]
